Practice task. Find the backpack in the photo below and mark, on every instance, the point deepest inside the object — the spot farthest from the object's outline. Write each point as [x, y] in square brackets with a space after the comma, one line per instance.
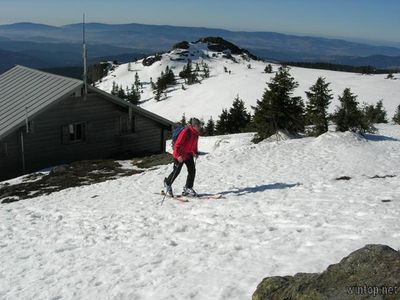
[177, 131]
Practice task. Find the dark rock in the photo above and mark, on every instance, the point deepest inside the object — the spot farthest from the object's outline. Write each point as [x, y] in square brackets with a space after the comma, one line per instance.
[148, 61]
[382, 177]
[343, 178]
[59, 169]
[218, 44]
[182, 45]
[372, 272]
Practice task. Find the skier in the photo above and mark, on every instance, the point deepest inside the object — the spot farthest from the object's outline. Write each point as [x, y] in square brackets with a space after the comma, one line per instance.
[185, 148]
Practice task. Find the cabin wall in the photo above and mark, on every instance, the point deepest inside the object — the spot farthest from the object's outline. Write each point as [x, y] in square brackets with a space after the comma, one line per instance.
[44, 146]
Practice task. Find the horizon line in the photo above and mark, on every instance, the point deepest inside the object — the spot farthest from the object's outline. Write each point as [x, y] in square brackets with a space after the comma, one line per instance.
[347, 39]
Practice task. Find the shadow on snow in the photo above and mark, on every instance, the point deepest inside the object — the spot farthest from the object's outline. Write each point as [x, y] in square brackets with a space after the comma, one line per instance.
[258, 189]
[379, 138]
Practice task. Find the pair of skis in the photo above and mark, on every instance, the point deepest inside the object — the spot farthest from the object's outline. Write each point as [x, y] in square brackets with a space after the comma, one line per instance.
[183, 198]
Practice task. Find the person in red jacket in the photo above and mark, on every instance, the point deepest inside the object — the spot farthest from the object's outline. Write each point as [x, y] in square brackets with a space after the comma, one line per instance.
[185, 148]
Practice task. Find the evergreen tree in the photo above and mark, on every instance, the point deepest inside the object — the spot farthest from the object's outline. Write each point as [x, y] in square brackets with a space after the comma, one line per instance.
[161, 83]
[278, 109]
[249, 66]
[114, 89]
[166, 79]
[137, 82]
[183, 73]
[170, 76]
[268, 69]
[183, 121]
[188, 74]
[250, 127]
[319, 98]
[157, 94]
[222, 124]
[121, 93]
[390, 76]
[133, 95]
[206, 71]
[152, 84]
[225, 69]
[375, 114]
[210, 127]
[238, 117]
[396, 117]
[348, 115]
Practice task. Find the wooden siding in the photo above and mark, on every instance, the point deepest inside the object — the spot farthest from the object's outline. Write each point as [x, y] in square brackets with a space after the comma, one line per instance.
[44, 147]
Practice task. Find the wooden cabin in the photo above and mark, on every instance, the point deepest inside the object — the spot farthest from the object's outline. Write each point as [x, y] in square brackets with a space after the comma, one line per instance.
[47, 120]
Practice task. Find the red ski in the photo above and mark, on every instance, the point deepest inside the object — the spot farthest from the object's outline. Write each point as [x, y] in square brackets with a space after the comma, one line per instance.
[186, 198]
[177, 197]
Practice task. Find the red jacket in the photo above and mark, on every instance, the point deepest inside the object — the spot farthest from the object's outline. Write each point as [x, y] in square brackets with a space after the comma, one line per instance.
[186, 143]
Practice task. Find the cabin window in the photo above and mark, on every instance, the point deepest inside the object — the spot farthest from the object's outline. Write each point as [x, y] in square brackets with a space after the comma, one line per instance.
[4, 150]
[74, 133]
[127, 125]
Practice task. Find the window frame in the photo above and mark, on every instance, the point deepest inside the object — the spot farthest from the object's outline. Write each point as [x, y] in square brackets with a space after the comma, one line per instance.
[66, 133]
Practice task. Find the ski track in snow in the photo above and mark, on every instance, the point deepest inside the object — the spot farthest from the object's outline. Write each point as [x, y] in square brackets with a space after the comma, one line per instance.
[284, 213]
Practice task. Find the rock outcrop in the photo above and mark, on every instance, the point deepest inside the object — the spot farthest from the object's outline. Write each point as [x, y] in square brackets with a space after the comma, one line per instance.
[372, 272]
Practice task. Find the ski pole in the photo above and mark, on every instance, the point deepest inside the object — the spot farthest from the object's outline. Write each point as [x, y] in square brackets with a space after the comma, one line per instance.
[173, 176]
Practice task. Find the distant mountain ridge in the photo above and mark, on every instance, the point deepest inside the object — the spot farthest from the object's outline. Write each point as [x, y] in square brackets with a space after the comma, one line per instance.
[156, 38]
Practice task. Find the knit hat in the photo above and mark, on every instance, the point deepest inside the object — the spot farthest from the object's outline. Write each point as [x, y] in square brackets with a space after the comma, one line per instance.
[195, 121]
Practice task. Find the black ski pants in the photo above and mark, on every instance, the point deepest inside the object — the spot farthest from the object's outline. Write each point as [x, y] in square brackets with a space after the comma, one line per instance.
[177, 169]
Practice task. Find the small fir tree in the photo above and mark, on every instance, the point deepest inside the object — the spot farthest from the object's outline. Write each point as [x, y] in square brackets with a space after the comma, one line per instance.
[183, 121]
[375, 114]
[390, 76]
[157, 94]
[278, 109]
[133, 95]
[238, 117]
[319, 98]
[121, 93]
[114, 89]
[348, 116]
[210, 127]
[137, 82]
[268, 69]
[222, 124]
[206, 71]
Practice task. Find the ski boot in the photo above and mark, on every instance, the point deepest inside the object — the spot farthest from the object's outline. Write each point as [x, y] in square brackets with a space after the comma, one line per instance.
[189, 192]
[168, 188]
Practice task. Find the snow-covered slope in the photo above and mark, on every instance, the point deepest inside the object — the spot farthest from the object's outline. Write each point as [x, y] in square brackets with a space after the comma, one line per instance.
[284, 212]
[217, 92]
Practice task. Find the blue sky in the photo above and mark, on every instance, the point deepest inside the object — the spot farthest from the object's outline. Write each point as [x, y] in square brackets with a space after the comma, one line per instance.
[363, 19]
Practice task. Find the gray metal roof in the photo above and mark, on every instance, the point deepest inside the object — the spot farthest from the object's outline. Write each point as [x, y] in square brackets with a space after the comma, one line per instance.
[24, 91]
[135, 108]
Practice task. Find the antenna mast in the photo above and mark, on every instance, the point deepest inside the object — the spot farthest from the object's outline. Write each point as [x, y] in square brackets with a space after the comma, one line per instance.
[84, 60]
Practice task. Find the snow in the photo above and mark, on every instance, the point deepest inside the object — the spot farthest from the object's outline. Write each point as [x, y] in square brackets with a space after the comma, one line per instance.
[284, 212]
[207, 99]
